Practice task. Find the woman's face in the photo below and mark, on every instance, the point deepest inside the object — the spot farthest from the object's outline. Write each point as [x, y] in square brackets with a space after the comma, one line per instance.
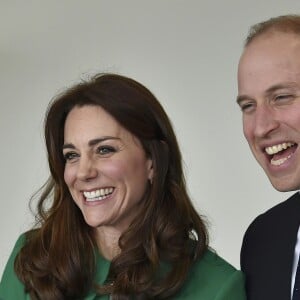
[106, 168]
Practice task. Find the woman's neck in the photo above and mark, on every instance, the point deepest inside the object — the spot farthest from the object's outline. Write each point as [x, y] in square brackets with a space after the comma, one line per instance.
[108, 241]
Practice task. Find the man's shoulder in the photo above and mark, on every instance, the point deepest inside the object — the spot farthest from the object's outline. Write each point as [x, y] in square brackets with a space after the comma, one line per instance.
[270, 238]
[271, 222]
[280, 211]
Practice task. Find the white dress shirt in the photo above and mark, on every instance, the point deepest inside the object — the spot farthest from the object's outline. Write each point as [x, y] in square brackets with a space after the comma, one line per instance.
[295, 262]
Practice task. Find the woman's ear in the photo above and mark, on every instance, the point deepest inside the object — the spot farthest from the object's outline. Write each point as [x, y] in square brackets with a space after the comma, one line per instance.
[150, 170]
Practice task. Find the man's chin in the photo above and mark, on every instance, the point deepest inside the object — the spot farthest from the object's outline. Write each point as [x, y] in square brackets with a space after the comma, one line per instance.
[282, 185]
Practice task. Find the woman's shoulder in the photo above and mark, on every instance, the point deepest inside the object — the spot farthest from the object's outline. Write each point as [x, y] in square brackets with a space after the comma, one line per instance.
[20, 241]
[212, 277]
[212, 263]
[10, 285]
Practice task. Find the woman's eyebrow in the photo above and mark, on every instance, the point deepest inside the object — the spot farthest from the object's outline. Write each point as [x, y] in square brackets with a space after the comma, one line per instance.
[92, 142]
[68, 146]
[100, 140]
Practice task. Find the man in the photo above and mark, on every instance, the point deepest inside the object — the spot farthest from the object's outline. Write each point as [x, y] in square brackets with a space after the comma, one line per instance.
[269, 97]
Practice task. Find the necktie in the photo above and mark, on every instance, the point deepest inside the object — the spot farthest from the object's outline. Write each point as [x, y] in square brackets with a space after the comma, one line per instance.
[296, 292]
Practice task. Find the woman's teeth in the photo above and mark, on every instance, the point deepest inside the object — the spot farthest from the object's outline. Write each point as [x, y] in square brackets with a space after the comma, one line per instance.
[97, 195]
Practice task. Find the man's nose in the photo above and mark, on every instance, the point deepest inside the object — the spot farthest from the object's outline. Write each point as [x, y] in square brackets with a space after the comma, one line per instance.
[265, 121]
[86, 169]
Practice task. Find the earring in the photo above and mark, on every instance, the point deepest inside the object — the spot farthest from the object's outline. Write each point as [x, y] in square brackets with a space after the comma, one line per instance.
[193, 235]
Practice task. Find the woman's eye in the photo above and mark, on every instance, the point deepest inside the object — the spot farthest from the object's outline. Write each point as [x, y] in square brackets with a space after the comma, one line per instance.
[104, 150]
[69, 156]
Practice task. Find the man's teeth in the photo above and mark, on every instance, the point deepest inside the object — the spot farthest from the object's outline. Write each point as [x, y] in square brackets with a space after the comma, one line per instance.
[277, 148]
[280, 161]
[98, 194]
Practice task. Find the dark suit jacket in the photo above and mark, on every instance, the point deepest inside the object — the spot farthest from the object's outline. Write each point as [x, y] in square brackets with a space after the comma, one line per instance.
[268, 250]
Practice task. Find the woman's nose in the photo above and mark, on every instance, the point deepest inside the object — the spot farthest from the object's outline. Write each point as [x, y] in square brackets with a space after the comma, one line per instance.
[86, 169]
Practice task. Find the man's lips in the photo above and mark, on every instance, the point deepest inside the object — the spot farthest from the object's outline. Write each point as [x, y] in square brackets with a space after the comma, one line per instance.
[280, 153]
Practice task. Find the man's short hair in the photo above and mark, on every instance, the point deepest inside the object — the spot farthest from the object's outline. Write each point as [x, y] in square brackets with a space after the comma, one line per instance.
[285, 23]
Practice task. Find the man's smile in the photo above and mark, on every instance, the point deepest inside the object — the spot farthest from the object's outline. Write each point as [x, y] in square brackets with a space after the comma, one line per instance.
[280, 153]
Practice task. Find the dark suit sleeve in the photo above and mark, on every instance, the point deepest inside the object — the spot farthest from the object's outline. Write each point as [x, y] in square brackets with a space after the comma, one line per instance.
[248, 258]
[249, 242]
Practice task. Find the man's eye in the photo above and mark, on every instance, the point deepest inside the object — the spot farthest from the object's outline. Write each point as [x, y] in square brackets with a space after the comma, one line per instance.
[104, 150]
[245, 107]
[69, 156]
[284, 97]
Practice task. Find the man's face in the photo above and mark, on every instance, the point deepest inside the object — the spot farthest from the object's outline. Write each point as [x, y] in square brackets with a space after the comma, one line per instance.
[269, 97]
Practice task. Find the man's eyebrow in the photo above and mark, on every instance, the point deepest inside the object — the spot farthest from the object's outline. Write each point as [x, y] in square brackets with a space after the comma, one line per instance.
[241, 98]
[279, 86]
[92, 142]
[269, 91]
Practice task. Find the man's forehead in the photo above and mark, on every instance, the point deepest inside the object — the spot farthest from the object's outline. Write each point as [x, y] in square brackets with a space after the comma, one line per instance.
[271, 37]
[282, 49]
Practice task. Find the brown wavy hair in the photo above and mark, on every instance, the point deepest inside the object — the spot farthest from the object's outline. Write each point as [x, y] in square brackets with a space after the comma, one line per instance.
[58, 259]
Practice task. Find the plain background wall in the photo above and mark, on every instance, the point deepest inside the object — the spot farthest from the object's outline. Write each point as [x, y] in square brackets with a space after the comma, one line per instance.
[185, 52]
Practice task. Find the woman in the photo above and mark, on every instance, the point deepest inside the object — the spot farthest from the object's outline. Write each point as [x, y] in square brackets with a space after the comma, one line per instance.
[120, 223]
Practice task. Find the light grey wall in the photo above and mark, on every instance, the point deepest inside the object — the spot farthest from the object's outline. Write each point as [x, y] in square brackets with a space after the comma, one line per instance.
[186, 52]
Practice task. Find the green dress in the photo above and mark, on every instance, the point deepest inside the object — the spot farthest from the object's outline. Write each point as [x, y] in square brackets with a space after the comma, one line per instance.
[211, 278]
